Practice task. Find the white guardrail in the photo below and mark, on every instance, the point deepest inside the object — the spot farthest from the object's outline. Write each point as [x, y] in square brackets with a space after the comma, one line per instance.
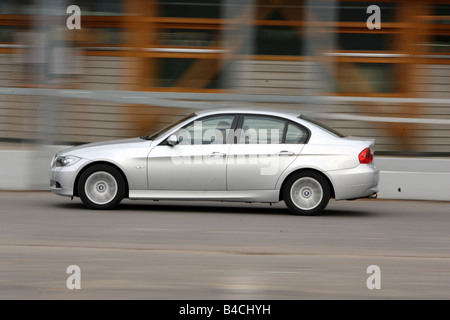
[194, 101]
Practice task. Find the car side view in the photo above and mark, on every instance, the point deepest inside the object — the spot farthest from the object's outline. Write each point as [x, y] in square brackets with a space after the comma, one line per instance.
[242, 155]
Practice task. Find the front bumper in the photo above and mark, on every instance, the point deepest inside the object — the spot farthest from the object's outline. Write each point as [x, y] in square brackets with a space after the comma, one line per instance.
[359, 182]
[62, 179]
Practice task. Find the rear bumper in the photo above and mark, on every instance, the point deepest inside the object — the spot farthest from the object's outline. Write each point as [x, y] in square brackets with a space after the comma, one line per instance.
[359, 182]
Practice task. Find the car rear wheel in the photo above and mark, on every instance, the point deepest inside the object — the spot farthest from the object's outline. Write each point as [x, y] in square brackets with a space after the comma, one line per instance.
[101, 187]
[306, 193]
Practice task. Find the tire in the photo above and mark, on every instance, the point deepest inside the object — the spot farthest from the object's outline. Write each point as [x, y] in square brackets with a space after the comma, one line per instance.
[306, 193]
[101, 187]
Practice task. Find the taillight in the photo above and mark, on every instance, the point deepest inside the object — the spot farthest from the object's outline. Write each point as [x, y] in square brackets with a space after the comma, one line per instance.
[365, 156]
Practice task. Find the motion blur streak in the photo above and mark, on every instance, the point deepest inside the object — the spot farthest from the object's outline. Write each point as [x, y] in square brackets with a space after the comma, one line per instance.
[263, 48]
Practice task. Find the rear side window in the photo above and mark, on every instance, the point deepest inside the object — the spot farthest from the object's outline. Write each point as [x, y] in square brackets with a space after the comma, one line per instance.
[295, 134]
[262, 130]
[271, 130]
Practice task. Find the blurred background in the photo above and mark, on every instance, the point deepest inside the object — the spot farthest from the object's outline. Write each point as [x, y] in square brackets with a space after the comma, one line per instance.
[136, 65]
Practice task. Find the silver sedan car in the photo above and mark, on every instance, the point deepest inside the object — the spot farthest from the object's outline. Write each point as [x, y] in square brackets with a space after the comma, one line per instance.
[243, 155]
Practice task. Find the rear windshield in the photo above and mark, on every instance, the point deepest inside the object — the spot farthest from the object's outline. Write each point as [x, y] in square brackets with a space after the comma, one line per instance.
[323, 126]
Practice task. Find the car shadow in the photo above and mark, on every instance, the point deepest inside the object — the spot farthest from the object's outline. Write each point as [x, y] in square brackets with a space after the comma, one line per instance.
[207, 208]
[178, 208]
[346, 213]
[211, 208]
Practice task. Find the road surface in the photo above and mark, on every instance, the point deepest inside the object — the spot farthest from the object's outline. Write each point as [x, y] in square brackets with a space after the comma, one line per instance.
[209, 250]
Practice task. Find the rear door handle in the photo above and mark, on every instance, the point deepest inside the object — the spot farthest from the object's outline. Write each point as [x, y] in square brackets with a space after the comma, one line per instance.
[218, 154]
[285, 153]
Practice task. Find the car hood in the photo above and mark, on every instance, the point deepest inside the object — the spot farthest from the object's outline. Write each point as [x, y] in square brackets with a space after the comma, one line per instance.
[83, 149]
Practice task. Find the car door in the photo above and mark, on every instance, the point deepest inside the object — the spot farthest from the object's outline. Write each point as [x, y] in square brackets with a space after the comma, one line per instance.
[198, 161]
[265, 146]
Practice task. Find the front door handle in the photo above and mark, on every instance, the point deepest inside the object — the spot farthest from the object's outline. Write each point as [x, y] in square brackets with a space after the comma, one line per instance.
[285, 153]
[218, 154]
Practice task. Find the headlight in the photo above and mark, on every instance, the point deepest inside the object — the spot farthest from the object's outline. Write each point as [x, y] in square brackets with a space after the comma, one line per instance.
[65, 161]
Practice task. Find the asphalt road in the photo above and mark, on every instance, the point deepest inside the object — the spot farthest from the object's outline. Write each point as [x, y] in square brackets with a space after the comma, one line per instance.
[181, 250]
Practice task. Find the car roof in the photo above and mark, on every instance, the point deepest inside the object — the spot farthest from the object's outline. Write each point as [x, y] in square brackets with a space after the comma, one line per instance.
[250, 110]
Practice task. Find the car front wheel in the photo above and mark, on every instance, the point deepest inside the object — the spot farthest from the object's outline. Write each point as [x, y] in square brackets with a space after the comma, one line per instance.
[306, 193]
[101, 187]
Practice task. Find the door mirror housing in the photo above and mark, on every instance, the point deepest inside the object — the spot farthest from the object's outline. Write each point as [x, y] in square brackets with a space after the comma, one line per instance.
[172, 140]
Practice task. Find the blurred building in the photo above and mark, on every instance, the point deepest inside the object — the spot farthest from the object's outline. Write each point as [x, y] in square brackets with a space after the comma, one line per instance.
[269, 48]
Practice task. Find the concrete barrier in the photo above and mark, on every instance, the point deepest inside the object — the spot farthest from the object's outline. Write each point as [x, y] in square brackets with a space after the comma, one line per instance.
[400, 178]
[414, 178]
[15, 169]
[26, 168]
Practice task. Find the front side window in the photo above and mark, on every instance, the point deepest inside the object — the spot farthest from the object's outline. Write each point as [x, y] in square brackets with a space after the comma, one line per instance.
[211, 130]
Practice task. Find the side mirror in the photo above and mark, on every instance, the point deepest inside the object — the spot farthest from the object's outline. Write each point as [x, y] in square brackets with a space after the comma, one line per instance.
[172, 140]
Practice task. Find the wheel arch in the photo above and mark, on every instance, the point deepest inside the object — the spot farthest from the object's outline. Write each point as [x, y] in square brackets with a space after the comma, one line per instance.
[75, 185]
[330, 184]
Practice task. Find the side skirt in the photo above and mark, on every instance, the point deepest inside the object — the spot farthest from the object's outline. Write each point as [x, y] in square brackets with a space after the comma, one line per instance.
[232, 196]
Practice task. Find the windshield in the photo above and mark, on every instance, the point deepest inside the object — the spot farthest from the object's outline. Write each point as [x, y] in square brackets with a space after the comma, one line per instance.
[158, 133]
[323, 126]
